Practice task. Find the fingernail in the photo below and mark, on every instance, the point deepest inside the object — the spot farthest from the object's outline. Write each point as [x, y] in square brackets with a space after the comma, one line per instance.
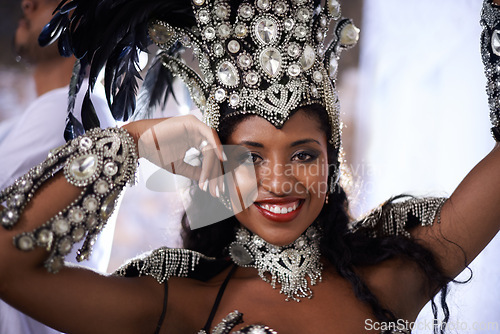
[217, 191]
[223, 188]
[205, 185]
[224, 156]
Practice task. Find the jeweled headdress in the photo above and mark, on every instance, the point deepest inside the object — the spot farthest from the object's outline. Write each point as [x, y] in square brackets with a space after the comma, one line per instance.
[258, 57]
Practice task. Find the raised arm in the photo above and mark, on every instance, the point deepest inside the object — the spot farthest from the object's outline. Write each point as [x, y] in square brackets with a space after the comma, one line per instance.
[77, 300]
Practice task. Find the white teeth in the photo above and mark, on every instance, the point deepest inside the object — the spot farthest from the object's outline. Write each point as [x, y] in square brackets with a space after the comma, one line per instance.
[279, 209]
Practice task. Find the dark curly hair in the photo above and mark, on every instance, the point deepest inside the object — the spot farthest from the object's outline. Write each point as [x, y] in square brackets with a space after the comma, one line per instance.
[343, 249]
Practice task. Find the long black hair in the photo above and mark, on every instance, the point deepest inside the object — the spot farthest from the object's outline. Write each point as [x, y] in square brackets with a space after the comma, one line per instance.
[344, 250]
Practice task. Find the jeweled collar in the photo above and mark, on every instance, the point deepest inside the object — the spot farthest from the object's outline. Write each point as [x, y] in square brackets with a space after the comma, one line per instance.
[288, 265]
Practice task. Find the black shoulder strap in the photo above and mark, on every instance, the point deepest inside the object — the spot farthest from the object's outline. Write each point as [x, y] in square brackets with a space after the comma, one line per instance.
[164, 311]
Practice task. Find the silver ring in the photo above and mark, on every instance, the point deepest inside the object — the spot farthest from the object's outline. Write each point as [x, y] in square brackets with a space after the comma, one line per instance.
[203, 145]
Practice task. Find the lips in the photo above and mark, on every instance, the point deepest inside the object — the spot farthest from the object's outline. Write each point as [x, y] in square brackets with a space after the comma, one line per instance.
[280, 210]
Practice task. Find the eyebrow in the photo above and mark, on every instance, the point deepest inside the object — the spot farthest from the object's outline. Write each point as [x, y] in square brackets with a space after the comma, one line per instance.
[295, 143]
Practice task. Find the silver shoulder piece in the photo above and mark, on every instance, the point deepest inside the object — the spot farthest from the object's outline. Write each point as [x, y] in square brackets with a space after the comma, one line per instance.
[490, 52]
[163, 263]
[100, 162]
[396, 218]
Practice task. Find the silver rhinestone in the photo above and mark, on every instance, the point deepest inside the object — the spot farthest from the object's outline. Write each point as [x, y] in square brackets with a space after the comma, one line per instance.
[323, 22]
[85, 143]
[221, 12]
[301, 31]
[60, 226]
[186, 41]
[220, 95]
[266, 30]
[244, 61]
[25, 185]
[101, 187]
[38, 171]
[160, 34]
[320, 36]
[218, 49]
[25, 243]
[83, 168]
[317, 76]
[91, 222]
[293, 50]
[270, 60]
[227, 74]
[55, 264]
[234, 100]
[333, 67]
[308, 58]
[108, 205]
[263, 4]
[44, 237]
[334, 8]
[198, 2]
[204, 16]
[76, 215]
[303, 14]
[280, 7]
[349, 35]
[110, 168]
[16, 200]
[495, 42]
[65, 245]
[314, 91]
[258, 241]
[209, 33]
[224, 31]
[240, 30]
[252, 78]
[294, 70]
[289, 23]
[9, 217]
[233, 46]
[245, 11]
[90, 204]
[78, 233]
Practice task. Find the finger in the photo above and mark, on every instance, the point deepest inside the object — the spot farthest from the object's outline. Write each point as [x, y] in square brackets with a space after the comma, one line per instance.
[216, 177]
[208, 159]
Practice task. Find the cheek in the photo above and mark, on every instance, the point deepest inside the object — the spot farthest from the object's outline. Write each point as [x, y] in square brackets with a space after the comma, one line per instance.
[314, 178]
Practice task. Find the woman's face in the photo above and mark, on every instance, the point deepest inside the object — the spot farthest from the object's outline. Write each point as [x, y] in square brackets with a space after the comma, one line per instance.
[291, 169]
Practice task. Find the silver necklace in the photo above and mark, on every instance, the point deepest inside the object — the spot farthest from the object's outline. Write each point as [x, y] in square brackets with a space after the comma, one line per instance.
[288, 265]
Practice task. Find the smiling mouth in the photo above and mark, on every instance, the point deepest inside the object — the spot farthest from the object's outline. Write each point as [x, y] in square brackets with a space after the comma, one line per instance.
[280, 209]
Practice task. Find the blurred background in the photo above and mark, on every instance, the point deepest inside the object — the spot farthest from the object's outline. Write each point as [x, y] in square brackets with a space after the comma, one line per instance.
[415, 115]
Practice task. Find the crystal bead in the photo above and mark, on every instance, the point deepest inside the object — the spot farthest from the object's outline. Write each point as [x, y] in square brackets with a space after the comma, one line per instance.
[293, 50]
[78, 233]
[65, 245]
[224, 31]
[60, 226]
[84, 167]
[110, 169]
[90, 204]
[303, 14]
[221, 12]
[244, 61]
[25, 243]
[252, 78]
[258, 241]
[270, 60]
[160, 34]
[85, 143]
[209, 33]
[294, 70]
[25, 185]
[233, 46]
[76, 215]
[274, 249]
[91, 222]
[198, 2]
[38, 171]
[44, 237]
[308, 57]
[349, 35]
[240, 30]
[314, 91]
[333, 8]
[9, 217]
[333, 67]
[204, 16]
[280, 8]
[218, 49]
[289, 23]
[197, 95]
[16, 200]
[495, 42]
[108, 205]
[266, 30]
[186, 41]
[220, 95]
[320, 36]
[301, 32]
[317, 76]
[234, 100]
[245, 11]
[227, 74]
[101, 187]
[263, 4]
[240, 254]
[323, 22]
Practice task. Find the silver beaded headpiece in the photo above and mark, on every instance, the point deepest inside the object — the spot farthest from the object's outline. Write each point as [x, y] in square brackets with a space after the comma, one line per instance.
[262, 57]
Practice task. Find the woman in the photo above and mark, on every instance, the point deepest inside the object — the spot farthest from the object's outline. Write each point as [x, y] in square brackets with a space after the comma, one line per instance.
[279, 105]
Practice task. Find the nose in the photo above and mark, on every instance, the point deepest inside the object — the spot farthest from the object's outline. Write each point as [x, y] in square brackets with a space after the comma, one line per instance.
[277, 178]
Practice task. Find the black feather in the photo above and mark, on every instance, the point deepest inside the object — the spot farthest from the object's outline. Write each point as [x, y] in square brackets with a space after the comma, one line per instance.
[73, 128]
[89, 116]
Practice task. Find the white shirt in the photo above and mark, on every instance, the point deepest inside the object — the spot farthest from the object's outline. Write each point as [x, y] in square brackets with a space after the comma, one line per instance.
[25, 144]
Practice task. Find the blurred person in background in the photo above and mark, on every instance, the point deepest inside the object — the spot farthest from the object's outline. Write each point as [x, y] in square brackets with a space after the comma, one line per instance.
[39, 129]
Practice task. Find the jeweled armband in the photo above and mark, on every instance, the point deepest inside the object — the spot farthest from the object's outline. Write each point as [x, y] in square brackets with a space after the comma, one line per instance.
[101, 162]
[490, 51]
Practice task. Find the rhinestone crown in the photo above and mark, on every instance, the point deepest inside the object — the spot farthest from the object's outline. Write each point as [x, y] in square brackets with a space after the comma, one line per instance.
[261, 57]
